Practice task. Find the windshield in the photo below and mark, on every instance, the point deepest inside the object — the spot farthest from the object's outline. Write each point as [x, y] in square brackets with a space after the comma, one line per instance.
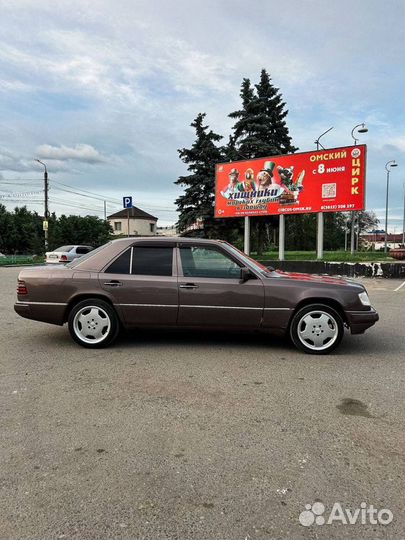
[250, 262]
[64, 248]
[75, 262]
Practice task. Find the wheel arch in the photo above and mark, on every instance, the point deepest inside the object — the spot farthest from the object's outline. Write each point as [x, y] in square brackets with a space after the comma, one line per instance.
[85, 296]
[331, 302]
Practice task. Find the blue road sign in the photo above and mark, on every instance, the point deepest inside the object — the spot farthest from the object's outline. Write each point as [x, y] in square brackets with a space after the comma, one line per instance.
[127, 202]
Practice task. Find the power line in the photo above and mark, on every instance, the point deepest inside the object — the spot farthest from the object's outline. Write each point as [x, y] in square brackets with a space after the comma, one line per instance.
[86, 193]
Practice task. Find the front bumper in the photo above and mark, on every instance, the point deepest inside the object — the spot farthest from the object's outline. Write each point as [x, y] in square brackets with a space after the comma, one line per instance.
[359, 321]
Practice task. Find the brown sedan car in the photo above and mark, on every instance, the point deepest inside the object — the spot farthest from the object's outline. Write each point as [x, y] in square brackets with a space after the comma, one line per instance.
[190, 283]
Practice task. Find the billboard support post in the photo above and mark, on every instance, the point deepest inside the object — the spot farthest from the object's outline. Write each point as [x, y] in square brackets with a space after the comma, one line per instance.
[319, 236]
[352, 234]
[281, 237]
[246, 244]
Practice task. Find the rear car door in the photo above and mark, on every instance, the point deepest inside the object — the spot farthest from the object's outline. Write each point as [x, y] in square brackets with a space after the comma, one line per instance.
[143, 282]
[211, 293]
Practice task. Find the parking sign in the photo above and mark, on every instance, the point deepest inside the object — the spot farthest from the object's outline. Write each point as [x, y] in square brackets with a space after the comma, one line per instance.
[127, 202]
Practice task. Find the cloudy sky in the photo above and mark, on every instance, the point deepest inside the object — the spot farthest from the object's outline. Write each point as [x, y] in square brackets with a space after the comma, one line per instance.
[104, 91]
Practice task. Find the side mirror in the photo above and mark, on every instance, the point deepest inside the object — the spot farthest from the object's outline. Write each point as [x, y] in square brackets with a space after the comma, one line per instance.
[245, 274]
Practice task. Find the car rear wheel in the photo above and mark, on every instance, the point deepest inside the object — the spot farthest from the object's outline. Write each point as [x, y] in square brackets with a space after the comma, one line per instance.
[317, 329]
[93, 323]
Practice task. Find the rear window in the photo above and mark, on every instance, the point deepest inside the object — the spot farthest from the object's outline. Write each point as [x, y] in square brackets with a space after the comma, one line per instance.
[64, 248]
[81, 250]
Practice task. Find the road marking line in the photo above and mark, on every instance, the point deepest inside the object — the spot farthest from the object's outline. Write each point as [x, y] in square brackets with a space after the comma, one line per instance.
[400, 287]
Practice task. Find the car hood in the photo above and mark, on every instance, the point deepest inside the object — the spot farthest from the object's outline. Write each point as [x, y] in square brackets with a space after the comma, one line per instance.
[312, 278]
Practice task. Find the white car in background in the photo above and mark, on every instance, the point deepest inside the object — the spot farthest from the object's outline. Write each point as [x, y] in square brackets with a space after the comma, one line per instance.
[65, 254]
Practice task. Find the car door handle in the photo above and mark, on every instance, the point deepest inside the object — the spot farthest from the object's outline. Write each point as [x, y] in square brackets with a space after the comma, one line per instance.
[113, 283]
[189, 286]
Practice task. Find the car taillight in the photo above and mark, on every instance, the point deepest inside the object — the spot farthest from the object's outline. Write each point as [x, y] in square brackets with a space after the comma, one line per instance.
[63, 258]
[21, 287]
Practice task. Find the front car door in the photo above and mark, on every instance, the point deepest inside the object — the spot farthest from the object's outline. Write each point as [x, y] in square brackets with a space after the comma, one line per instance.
[143, 281]
[210, 290]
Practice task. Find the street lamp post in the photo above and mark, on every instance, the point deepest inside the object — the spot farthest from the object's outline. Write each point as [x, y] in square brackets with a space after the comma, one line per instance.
[318, 144]
[46, 212]
[388, 167]
[361, 128]
[319, 227]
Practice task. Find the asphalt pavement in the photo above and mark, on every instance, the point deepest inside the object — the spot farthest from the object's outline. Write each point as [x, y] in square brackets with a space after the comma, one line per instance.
[195, 436]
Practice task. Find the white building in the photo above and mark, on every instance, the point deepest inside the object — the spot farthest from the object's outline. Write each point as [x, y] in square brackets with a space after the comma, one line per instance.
[140, 222]
[167, 231]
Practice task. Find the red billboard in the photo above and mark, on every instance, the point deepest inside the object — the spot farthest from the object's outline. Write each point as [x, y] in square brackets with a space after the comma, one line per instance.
[330, 180]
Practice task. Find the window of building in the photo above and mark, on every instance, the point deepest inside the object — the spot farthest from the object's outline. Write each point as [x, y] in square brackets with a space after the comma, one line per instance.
[152, 227]
[117, 226]
[207, 262]
[152, 261]
[121, 264]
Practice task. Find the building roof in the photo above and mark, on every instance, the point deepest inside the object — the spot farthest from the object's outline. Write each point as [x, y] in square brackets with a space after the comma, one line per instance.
[134, 213]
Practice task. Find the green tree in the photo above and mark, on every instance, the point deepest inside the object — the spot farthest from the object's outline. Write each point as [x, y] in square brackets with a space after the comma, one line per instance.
[26, 232]
[6, 230]
[301, 231]
[196, 205]
[260, 130]
[78, 230]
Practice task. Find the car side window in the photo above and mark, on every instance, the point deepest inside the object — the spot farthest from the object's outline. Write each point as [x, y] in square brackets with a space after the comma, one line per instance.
[207, 262]
[121, 264]
[82, 250]
[152, 261]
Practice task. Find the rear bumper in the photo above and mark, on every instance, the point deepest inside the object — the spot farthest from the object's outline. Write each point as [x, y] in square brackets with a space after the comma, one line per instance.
[359, 321]
[48, 312]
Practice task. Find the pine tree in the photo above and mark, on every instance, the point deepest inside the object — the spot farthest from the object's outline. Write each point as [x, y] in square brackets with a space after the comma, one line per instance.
[197, 203]
[260, 130]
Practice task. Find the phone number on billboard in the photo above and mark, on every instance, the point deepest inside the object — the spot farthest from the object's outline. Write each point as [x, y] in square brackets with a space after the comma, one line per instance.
[337, 206]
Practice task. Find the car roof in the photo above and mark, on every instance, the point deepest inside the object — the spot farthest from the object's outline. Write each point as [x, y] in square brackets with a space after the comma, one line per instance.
[113, 248]
[164, 239]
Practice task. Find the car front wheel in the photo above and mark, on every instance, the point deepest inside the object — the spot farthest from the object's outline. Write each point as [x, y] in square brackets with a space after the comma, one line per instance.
[93, 323]
[317, 329]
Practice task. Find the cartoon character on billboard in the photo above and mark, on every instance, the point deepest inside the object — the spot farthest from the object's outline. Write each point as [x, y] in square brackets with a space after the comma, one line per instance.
[232, 187]
[248, 183]
[286, 177]
[292, 188]
[266, 175]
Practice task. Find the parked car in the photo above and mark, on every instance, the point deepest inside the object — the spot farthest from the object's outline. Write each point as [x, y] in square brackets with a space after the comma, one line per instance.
[65, 254]
[190, 283]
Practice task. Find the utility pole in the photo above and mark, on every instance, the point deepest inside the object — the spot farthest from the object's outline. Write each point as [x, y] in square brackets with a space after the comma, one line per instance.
[46, 212]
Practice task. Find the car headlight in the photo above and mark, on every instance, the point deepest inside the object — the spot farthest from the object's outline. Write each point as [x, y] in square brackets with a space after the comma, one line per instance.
[364, 299]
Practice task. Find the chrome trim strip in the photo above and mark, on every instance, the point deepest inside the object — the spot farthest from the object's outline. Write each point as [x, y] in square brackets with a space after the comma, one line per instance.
[148, 305]
[42, 303]
[277, 309]
[205, 307]
[131, 259]
[362, 312]
[220, 307]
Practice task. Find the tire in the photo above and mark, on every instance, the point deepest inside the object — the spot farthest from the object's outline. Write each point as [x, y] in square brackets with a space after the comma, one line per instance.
[93, 323]
[317, 329]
